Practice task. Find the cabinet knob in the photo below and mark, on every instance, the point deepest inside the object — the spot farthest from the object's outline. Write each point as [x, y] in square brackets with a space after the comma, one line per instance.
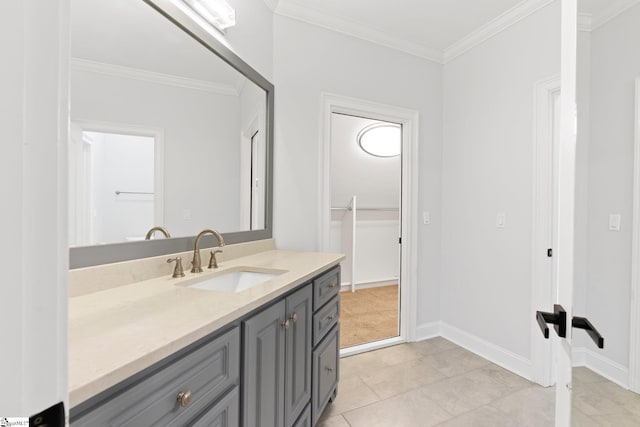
[331, 317]
[184, 398]
[293, 317]
[285, 324]
[332, 285]
[330, 369]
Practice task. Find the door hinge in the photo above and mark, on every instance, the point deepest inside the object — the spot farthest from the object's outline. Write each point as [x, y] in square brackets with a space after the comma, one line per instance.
[549, 252]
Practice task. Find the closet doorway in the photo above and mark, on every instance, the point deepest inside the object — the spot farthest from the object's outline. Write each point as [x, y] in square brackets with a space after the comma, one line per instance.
[366, 193]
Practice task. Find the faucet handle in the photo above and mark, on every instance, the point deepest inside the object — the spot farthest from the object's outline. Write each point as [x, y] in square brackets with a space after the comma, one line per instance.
[177, 271]
[213, 262]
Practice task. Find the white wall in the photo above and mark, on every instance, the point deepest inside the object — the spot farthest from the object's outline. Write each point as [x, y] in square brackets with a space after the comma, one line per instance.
[581, 246]
[195, 141]
[308, 61]
[615, 64]
[487, 169]
[252, 37]
[33, 39]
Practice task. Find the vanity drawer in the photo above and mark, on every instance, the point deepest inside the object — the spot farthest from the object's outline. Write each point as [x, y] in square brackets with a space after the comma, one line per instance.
[324, 319]
[206, 373]
[224, 413]
[326, 287]
[325, 373]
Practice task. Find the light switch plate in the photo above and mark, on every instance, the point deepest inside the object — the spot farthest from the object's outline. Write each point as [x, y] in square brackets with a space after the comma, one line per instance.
[426, 218]
[501, 220]
[614, 222]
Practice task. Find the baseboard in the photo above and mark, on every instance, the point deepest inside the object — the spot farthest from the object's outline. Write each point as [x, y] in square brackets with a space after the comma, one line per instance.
[498, 355]
[613, 371]
[426, 331]
[579, 356]
[346, 286]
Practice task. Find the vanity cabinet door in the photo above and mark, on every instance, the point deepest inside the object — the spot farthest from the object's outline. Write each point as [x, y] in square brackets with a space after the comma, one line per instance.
[305, 418]
[264, 356]
[326, 359]
[298, 353]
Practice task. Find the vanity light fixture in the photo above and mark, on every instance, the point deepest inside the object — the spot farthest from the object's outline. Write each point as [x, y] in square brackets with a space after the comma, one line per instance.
[216, 12]
[381, 139]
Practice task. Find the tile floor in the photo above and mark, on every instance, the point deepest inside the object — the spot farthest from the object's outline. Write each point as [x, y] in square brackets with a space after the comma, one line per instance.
[437, 383]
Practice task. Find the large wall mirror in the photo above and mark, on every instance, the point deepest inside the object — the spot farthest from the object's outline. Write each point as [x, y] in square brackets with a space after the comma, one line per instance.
[169, 128]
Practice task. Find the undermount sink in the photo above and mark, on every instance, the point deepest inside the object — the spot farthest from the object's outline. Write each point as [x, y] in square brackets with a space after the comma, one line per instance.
[235, 280]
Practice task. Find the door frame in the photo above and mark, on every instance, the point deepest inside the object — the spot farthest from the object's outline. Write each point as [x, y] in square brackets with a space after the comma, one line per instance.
[634, 329]
[542, 287]
[332, 103]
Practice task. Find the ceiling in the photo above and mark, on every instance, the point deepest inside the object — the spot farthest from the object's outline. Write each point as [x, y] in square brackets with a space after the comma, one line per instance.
[438, 30]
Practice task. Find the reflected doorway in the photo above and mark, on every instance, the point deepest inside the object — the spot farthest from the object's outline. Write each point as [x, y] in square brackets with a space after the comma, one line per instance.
[114, 181]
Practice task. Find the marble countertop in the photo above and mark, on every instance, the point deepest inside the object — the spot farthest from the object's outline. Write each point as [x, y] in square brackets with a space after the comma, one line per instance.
[115, 333]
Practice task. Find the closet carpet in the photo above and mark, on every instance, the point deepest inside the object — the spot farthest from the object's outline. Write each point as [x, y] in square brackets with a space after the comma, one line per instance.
[368, 315]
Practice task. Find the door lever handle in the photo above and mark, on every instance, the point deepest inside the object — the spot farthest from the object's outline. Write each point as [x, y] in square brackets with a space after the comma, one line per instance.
[583, 323]
[558, 318]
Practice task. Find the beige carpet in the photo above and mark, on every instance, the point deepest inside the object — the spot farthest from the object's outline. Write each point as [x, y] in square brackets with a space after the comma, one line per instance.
[368, 315]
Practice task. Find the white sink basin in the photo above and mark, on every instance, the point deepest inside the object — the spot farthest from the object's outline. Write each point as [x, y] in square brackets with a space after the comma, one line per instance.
[234, 281]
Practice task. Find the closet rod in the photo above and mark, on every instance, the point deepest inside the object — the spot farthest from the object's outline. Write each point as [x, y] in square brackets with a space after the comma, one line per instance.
[366, 209]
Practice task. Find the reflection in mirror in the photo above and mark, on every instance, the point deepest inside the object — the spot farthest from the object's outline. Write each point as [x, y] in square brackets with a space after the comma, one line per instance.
[164, 132]
[604, 387]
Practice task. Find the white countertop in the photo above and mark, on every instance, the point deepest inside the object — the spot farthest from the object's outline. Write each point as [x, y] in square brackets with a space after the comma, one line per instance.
[115, 333]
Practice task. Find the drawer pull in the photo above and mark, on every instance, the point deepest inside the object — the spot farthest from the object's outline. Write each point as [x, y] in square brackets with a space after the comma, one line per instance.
[332, 285]
[285, 324]
[331, 317]
[329, 369]
[293, 317]
[184, 398]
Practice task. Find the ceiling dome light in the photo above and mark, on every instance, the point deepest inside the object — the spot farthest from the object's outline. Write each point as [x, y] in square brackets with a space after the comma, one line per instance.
[381, 139]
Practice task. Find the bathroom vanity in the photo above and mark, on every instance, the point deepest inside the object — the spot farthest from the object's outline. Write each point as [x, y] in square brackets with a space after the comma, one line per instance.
[163, 352]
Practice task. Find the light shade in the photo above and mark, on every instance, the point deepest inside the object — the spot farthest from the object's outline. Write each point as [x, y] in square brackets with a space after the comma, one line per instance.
[217, 12]
[381, 139]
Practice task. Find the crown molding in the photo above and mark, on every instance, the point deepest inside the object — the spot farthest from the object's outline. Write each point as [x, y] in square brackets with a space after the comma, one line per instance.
[151, 76]
[614, 9]
[272, 4]
[354, 29]
[585, 22]
[523, 9]
[493, 27]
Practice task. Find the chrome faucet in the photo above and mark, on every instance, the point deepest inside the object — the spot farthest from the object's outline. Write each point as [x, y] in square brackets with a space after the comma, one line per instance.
[160, 229]
[197, 263]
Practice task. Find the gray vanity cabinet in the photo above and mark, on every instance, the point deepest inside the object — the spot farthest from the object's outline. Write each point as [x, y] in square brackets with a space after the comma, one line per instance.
[288, 353]
[175, 394]
[326, 337]
[277, 363]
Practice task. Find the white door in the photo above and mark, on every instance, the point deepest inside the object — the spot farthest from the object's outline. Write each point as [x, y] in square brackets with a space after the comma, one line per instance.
[566, 197]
